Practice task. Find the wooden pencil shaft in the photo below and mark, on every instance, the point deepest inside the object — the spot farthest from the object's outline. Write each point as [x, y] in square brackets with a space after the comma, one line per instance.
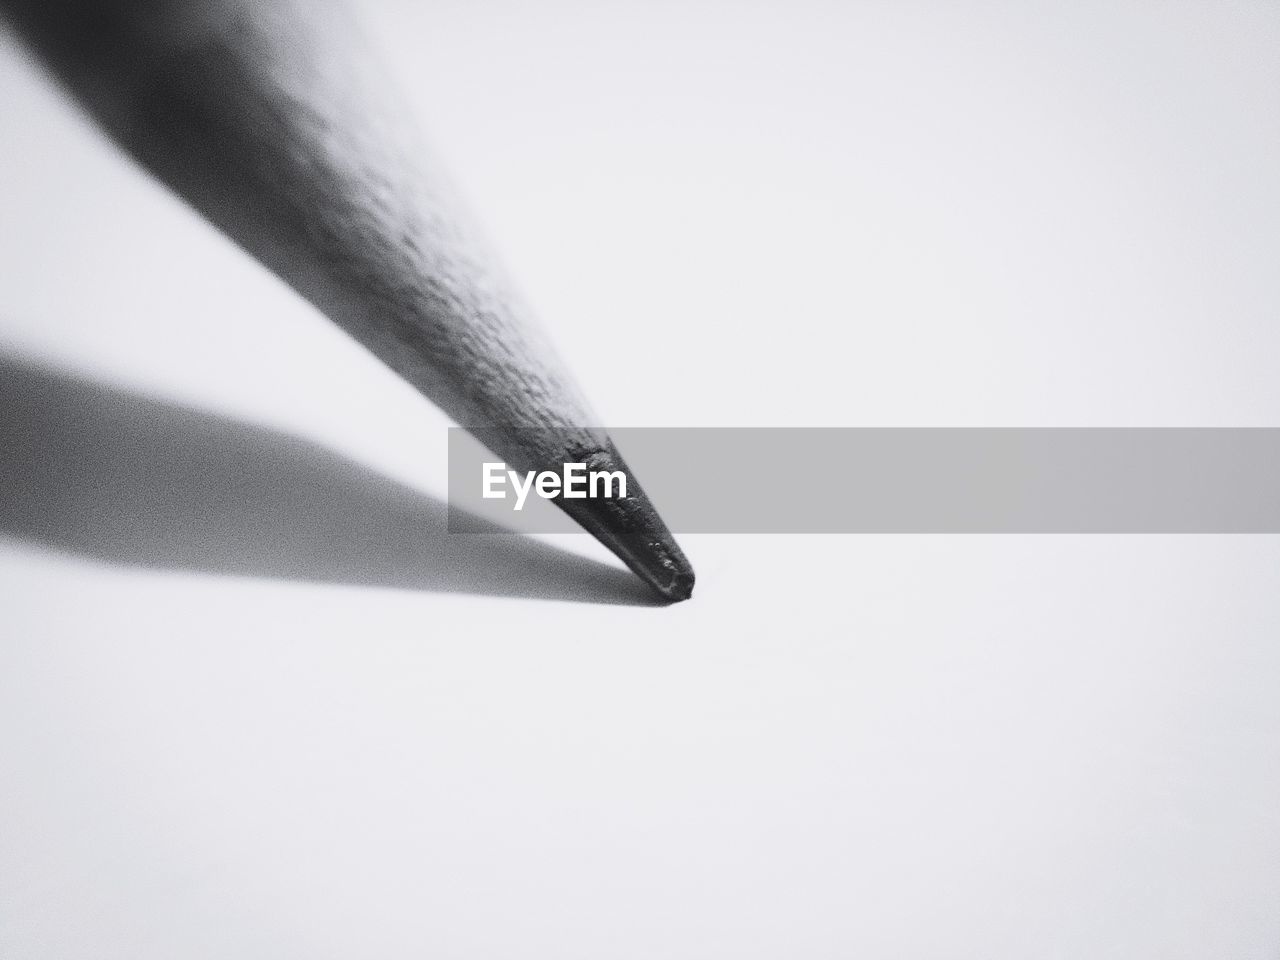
[274, 119]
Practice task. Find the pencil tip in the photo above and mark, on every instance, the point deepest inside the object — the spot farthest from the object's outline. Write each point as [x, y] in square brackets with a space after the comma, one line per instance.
[632, 529]
[669, 572]
[681, 587]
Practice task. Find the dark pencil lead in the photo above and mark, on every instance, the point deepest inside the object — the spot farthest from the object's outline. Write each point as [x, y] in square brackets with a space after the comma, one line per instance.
[632, 529]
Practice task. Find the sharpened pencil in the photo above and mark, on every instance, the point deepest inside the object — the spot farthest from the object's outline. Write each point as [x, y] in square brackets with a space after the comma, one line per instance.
[274, 119]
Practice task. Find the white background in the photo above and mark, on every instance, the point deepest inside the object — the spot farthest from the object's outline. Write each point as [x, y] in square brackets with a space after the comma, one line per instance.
[824, 214]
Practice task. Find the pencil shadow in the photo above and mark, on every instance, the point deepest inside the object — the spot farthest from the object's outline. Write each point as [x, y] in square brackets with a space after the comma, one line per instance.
[112, 474]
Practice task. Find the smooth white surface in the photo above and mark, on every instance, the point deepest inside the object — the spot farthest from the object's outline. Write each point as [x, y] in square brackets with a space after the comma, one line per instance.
[927, 747]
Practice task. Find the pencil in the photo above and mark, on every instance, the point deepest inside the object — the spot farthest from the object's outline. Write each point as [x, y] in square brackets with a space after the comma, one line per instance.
[275, 120]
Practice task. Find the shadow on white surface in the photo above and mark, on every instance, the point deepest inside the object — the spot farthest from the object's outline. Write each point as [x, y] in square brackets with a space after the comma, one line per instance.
[118, 476]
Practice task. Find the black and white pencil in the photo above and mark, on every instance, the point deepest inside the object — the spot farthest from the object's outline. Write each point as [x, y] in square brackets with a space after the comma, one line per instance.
[274, 119]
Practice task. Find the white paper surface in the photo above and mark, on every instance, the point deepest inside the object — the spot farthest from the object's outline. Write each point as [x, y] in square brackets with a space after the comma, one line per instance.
[827, 214]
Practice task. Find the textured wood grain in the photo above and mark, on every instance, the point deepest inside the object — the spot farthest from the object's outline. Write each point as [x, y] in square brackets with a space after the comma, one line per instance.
[274, 119]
